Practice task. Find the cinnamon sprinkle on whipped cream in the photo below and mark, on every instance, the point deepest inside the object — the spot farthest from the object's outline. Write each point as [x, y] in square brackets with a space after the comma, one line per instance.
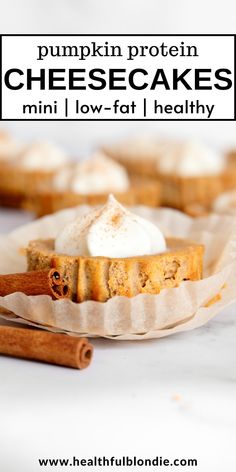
[110, 231]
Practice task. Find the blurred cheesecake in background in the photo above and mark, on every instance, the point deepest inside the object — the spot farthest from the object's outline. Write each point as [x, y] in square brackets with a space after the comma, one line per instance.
[24, 168]
[90, 182]
[231, 156]
[9, 147]
[190, 173]
[225, 203]
[138, 155]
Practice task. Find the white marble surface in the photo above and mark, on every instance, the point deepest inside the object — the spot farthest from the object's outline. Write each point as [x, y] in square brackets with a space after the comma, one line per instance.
[175, 397]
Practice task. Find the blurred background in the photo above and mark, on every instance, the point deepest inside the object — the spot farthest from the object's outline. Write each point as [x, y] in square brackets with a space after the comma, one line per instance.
[124, 16]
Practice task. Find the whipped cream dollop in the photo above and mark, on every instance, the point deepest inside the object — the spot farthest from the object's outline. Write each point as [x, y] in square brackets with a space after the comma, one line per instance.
[99, 174]
[43, 156]
[190, 159]
[110, 231]
[225, 203]
[9, 148]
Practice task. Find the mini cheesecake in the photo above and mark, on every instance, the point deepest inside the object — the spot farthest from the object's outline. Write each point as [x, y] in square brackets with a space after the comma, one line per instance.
[44, 202]
[101, 278]
[28, 169]
[145, 159]
[90, 181]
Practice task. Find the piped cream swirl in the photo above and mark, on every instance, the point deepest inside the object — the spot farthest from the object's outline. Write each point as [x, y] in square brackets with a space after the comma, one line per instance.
[99, 174]
[43, 156]
[110, 231]
[190, 159]
[9, 147]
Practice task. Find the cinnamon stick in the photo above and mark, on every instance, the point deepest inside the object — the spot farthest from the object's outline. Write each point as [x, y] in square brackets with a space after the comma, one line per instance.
[44, 346]
[38, 282]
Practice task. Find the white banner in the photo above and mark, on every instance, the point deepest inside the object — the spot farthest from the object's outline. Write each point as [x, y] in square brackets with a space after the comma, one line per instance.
[117, 77]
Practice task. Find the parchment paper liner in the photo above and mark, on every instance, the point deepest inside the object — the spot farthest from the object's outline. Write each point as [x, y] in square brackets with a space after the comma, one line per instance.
[141, 317]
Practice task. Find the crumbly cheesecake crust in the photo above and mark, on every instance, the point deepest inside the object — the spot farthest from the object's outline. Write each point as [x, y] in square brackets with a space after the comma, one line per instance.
[100, 278]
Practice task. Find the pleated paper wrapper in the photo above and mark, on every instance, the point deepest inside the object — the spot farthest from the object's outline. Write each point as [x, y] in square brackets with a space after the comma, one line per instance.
[174, 310]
